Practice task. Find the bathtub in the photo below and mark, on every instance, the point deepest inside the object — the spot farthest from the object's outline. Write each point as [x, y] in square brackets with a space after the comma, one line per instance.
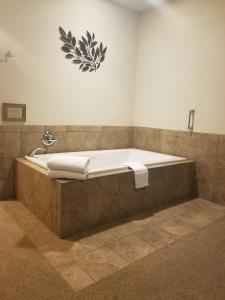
[69, 207]
[103, 161]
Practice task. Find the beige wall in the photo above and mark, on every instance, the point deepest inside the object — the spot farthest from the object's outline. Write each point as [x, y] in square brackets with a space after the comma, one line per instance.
[55, 91]
[181, 60]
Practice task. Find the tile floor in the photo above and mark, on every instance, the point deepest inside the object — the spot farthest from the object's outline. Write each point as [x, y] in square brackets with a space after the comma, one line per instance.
[84, 259]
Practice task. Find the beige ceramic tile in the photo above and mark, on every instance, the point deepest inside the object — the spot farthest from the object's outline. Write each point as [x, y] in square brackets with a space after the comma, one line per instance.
[205, 189]
[102, 262]
[186, 146]
[97, 237]
[205, 171]
[197, 219]
[221, 151]
[123, 230]
[169, 144]
[30, 140]
[156, 237]
[1, 145]
[107, 236]
[170, 212]
[115, 139]
[125, 139]
[177, 227]
[75, 128]
[7, 178]
[132, 248]
[11, 128]
[12, 145]
[140, 138]
[110, 128]
[219, 175]
[1, 169]
[92, 242]
[93, 128]
[186, 133]
[76, 277]
[109, 140]
[93, 140]
[33, 128]
[144, 219]
[60, 144]
[54, 129]
[75, 141]
[7, 189]
[207, 148]
[219, 194]
[154, 219]
[153, 140]
[168, 132]
[8, 166]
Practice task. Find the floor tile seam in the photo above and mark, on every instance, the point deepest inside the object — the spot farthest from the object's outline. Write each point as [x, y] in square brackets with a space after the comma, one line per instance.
[111, 250]
[77, 262]
[129, 262]
[156, 248]
[175, 240]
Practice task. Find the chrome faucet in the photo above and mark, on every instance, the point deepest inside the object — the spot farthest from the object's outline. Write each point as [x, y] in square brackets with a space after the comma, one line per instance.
[34, 152]
[48, 139]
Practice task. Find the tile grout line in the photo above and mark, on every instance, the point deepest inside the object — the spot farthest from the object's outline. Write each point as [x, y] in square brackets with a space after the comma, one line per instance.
[95, 250]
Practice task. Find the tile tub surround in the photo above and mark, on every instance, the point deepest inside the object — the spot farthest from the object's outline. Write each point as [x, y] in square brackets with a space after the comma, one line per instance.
[20, 140]
[208, 150]
[70, 207]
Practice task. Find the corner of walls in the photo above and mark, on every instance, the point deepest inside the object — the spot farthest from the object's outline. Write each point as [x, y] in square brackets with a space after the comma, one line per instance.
[136, 68]
[181, 65]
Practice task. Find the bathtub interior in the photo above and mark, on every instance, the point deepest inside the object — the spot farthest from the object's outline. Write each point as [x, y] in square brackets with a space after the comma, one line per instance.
[108, 160]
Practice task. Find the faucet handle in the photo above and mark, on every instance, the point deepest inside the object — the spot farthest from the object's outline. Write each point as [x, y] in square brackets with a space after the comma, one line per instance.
[48, 139]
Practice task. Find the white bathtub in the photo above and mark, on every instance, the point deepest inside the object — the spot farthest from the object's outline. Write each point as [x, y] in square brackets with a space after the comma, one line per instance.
[111, 160]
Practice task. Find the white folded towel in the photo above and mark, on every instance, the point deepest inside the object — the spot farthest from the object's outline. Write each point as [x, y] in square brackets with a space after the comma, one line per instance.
[140, 174]
[71, 163]
[60, 174]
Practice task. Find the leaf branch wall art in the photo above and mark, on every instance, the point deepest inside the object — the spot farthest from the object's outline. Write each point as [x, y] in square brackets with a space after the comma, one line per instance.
[87, 53]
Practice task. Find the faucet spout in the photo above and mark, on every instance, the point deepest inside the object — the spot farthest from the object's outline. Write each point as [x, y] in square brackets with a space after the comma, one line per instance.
[34, 151]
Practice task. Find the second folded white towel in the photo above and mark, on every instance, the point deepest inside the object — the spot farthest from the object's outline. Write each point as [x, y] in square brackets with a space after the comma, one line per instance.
[70, 163]
[140, 174]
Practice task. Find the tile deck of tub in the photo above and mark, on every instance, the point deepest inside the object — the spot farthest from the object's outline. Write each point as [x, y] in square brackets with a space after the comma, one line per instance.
[85, 259]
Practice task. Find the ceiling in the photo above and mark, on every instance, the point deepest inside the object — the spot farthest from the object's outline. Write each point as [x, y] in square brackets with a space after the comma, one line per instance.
[137, 5]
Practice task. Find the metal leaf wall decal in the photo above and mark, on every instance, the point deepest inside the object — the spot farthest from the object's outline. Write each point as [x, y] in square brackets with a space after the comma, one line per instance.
[86, 52]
